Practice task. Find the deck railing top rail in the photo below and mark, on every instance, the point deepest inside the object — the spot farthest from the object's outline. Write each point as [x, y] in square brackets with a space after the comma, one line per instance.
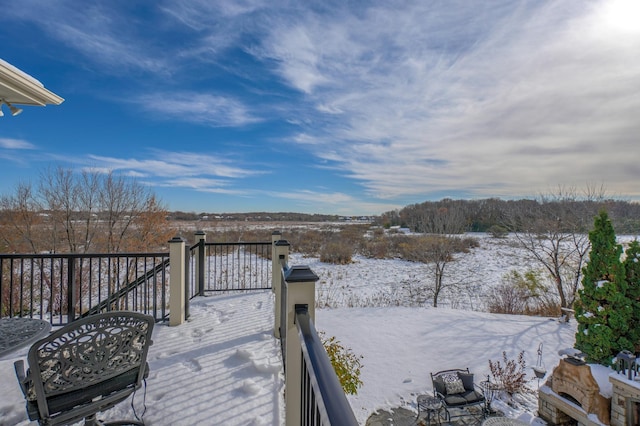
[61, 287]
[80, 255]
[329, 397]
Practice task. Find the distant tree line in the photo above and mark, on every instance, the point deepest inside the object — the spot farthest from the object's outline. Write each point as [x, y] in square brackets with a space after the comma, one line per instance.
[253, 217]
[516, 215]
[553, 229]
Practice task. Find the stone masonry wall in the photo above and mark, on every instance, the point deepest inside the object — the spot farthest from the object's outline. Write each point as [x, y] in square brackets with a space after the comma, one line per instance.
[623, 390]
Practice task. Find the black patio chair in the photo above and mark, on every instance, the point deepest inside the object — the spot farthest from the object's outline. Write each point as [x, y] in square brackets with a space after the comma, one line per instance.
[457, 391]
[86, 367]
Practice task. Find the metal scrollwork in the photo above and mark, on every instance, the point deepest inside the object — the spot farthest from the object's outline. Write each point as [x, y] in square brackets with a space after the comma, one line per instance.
[92, 352]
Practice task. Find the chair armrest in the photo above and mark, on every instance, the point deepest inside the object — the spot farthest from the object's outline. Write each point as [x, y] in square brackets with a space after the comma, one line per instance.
[22, 378]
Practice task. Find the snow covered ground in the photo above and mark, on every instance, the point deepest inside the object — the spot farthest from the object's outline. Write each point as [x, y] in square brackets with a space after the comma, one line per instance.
[223, 367]
[402, 346]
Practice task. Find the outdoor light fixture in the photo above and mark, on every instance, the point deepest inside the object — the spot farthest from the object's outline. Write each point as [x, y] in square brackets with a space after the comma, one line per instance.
[14, 110]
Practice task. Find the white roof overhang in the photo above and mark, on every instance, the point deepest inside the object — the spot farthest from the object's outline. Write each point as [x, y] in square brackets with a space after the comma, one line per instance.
[18, 87]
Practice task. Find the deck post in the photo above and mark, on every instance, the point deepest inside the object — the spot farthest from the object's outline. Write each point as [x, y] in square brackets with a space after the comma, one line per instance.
[280, 252]
[300, 285]
[201, 237]
[176, 281]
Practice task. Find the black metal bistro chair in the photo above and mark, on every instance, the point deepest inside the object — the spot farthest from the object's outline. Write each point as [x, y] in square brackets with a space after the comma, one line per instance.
[86, 367]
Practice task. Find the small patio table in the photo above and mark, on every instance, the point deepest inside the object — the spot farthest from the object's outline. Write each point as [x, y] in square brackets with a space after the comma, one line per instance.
[17, 332]
[432, 406]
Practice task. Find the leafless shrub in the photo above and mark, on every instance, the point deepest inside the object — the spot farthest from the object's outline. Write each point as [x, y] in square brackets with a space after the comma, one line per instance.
[511, 375]
[498, 231]
[337, 252]
[507, 299]
[523, 294]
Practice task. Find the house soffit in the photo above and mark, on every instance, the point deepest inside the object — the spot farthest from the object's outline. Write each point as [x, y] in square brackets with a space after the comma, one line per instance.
[18, 87]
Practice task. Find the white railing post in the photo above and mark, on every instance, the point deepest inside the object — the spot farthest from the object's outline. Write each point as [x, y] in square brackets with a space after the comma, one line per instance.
[300, 285]
[200, 264]
[280, 251]
[177, 297]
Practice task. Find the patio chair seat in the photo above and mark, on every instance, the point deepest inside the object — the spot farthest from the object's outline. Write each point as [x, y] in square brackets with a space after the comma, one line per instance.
[82, 396]
[465, 398]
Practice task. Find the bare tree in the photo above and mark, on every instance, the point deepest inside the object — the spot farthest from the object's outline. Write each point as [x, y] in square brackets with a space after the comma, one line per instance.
[122, 201]
[79, 213]
[438, 248]
[19, 221]
[59, 193]
[554, 231]
[89, 200]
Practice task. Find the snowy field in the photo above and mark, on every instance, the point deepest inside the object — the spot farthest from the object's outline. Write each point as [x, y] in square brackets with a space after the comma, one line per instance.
[375, 282]
[224, 368]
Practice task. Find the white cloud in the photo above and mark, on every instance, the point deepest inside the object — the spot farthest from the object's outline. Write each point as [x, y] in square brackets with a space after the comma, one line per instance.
[207, 109]
[103, 34]
[200, 184]
[194, 171]
[407, 98]
[498, 99]
[333, 202]
[8, 143]
[173, 165]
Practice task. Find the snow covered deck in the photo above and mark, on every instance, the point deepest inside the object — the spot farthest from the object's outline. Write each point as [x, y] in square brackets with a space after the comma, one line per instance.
[221, 367]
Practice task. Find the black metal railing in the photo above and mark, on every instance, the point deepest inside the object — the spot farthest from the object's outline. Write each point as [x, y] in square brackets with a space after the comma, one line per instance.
[230, 267]
[323, 401]
[63, 287]
[283, 309]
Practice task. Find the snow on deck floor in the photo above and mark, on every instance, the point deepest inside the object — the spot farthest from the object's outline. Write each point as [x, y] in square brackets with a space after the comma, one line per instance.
[222, 367]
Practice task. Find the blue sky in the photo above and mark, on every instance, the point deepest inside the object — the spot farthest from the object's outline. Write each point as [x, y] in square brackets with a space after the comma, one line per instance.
[345, 107]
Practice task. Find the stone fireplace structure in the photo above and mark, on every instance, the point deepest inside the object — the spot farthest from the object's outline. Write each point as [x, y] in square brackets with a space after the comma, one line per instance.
[572, 394]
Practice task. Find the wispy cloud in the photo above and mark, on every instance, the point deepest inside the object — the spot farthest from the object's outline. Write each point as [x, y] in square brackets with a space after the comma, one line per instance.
[206, 109]
[332, 202]
[173, 164]
[204, 15]
[215, 186]
[8, 143]
[194, 171]
[499, 99]
[103, 34]
[409, 99]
